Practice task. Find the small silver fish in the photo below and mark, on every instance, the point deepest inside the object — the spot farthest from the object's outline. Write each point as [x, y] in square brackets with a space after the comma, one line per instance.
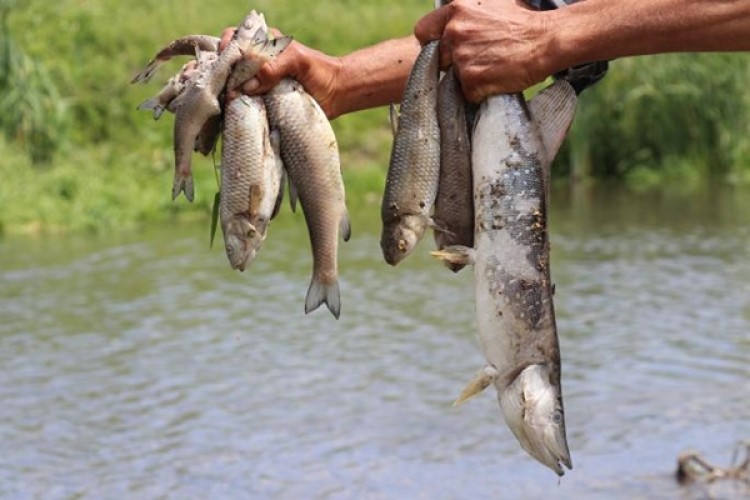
[185, 46]
[311, 158]
[199, 101]
[413, 173]
[251, 179]
[173, 88]
[454, 205]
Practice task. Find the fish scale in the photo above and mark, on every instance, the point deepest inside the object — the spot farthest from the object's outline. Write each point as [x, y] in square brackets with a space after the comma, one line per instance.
[413, 173]
[454, 205]
[310, 153]
[251, 177]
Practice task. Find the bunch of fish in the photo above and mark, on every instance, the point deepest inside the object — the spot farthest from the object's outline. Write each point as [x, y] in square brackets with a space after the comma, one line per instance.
[480, 179]
[265, 139]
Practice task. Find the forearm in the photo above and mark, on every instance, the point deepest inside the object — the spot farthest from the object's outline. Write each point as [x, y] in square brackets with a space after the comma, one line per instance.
[601, 29]
[374, 76]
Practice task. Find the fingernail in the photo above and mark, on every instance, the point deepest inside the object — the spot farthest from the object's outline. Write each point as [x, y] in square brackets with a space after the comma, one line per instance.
[251, 85]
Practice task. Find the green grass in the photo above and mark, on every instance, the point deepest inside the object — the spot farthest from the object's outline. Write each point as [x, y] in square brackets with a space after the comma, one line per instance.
[100, 165]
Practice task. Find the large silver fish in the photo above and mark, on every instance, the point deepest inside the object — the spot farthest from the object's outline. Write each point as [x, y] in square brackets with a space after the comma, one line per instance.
[251, 179]
[454, 205]
[199, 101]
[412, 180]
[311, 158]
[513, 146]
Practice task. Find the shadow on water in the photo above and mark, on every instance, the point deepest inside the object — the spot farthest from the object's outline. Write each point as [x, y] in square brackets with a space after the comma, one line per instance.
[142, 365]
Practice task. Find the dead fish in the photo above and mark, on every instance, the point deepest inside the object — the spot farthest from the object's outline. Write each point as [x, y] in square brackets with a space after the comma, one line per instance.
[311, 159]
[205, 142]
[251, 177]
[199, 101]
[512, 148]
[173, 88]
[454, 205]
[185, 46]
[412, 180]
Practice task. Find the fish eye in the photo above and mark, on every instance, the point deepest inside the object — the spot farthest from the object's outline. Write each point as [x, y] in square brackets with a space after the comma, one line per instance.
[557, 417]
[229, 250]
[250, 233]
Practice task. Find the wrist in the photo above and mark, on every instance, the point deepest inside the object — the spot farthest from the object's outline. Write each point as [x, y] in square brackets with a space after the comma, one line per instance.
[561, 41]
[320, 73]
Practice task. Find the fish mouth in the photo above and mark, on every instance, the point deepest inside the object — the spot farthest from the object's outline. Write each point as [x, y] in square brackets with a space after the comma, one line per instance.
[532, 408]
[399, 240]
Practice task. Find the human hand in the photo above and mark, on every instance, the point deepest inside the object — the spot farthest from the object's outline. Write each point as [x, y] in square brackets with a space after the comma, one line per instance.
[317, 72]
[495, 46]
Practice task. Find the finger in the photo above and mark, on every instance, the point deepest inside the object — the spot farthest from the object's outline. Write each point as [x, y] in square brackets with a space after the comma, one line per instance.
[226, 35]
[285, 64]
[431, 26]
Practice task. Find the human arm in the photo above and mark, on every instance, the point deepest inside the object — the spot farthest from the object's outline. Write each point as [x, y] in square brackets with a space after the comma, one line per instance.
[501, 46]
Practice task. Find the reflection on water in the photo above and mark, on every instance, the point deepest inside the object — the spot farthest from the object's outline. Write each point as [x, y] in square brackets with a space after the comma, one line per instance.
[142, 365]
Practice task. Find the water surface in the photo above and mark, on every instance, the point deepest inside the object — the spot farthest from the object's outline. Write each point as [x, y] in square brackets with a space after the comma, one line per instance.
[143, 366]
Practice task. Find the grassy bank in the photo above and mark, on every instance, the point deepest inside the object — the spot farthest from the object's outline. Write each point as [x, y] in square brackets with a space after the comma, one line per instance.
[77, 156]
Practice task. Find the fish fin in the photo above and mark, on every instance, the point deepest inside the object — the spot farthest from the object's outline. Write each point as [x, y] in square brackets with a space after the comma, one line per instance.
[393, 118]
[275, 140]
[152, 105]
[345, 227]
[292, 195]
[480, 382]
[318, 293]
[437, 227]
[147, 72]
[183, 184]
[279, 197]
[553, 109]
[455, 254]
[214, 219]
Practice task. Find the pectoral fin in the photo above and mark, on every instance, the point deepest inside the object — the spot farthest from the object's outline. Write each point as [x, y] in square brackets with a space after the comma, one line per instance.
[455, 254]
[553, 109]
[480, 382]
[393, 117]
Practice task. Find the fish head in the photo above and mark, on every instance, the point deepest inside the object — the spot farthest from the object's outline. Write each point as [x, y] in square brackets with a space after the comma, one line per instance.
[532, 407]
[241, 242]
[401, 236]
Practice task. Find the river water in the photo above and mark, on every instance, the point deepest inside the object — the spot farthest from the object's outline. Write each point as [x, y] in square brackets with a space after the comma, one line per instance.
[142, 366]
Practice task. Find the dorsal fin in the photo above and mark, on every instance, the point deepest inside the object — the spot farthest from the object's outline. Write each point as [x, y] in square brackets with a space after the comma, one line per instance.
[553, 109]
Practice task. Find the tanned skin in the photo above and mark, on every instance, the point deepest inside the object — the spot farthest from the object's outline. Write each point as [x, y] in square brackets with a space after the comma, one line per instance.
[501, 46]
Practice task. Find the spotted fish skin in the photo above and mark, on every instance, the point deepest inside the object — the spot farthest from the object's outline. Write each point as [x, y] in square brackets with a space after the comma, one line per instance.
[513, 145]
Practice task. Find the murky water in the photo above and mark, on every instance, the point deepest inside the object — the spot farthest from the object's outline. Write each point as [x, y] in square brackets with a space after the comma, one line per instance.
[141, 366]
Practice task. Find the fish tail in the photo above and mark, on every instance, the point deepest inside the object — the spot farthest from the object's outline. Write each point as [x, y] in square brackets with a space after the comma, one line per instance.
[183, 183]
[318, 293]
[147, 72]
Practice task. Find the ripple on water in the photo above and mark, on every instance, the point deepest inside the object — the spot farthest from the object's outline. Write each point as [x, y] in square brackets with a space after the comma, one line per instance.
[148, 368]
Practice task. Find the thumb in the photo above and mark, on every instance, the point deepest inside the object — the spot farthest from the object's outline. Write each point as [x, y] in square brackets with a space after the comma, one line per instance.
[270, 73]
[430, 27]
